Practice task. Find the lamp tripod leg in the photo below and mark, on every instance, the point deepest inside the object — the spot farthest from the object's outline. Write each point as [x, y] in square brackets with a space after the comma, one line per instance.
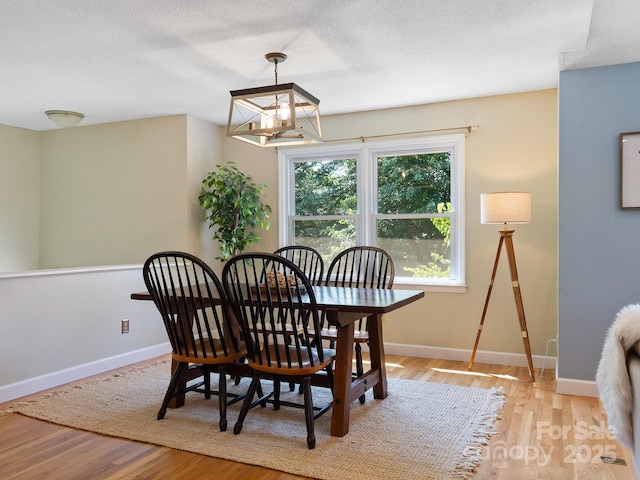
[486, 302]
[519, 306]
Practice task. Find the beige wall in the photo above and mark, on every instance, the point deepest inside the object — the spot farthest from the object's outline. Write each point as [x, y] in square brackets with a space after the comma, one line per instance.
[117, 192]
[514, 148]
[262, 165]
[104, 194]
[204, 143]
[18, 199]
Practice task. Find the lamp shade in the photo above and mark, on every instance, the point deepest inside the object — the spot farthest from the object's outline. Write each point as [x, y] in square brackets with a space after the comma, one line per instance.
[505, 207]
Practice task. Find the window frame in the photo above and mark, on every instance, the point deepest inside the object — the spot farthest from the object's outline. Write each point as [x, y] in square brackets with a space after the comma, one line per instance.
[366, 154]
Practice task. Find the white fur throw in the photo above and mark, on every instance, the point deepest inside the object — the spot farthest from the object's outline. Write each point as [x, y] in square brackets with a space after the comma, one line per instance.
[612, 377]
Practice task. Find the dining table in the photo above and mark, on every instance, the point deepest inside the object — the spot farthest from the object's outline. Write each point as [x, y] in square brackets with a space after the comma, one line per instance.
[343, 306]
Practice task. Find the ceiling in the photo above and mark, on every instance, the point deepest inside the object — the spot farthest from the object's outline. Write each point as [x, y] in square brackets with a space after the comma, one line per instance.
[117, 60]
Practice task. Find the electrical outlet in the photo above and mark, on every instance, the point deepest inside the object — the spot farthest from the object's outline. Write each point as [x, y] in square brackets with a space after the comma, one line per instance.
[125, 326]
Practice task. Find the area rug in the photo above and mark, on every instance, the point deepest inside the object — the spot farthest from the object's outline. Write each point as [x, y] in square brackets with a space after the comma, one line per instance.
[421, 430]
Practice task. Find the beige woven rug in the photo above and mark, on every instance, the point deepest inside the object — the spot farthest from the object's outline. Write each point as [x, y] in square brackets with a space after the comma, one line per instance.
[421, 430]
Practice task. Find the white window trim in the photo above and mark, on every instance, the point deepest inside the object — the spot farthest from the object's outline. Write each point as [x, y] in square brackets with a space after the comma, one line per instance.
[367, 151]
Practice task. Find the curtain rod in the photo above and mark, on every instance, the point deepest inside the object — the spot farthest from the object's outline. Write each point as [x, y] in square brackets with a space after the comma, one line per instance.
[467, 128]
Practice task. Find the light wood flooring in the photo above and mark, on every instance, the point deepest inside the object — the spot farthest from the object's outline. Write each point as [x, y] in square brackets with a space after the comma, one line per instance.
[542, 435]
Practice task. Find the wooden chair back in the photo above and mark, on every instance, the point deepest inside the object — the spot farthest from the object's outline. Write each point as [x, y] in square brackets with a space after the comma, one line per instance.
[307, 259]
[362, 266]
[193, 307]
[274, 303]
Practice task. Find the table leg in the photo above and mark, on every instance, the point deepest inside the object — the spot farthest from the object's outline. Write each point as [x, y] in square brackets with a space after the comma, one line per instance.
[342, 381]
[376, 352]
[194, 371]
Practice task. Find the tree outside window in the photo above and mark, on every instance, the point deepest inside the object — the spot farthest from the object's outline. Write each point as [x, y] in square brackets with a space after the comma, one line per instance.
[402, 197]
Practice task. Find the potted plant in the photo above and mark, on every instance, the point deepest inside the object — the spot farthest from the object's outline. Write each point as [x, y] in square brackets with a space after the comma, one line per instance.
[233, 207]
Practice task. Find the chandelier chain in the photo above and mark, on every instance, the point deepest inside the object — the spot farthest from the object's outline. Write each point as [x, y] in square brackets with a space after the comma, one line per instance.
[276, 69]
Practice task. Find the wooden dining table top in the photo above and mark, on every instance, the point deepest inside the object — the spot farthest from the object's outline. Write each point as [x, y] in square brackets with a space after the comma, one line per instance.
[349, 299]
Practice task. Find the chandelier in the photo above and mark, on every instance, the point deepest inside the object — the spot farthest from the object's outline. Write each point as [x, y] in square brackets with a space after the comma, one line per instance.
[275, 115]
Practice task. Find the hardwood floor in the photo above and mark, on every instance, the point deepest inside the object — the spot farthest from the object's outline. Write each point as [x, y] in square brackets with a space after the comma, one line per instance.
[542, 435]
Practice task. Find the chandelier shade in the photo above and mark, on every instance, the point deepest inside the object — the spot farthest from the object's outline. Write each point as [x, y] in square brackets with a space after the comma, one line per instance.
[274, 115]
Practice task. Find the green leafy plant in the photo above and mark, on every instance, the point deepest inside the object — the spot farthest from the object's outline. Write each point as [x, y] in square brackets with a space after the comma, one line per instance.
[234, 208]
[440, 265]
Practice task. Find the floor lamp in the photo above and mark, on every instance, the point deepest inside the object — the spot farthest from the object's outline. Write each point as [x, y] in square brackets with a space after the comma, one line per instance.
[504, 208]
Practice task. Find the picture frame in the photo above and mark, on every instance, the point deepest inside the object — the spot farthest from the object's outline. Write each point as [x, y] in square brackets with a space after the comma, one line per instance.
[630, 170]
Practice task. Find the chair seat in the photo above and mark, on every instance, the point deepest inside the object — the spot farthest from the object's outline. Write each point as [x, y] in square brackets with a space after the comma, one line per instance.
[260, 363]
[206, 356]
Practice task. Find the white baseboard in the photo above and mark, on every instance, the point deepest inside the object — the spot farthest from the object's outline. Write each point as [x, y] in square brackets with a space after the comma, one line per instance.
[55, 379]
[464, 355]
[570, 386]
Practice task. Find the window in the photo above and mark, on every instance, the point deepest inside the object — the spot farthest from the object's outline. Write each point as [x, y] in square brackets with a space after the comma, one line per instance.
[403, 196]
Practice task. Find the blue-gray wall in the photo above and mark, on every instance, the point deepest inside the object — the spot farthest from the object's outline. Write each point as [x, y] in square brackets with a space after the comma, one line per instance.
[599, 244]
